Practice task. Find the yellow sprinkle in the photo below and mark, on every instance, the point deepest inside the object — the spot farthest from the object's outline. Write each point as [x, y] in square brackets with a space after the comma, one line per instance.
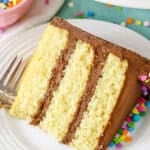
[143, 105]
[122, 137]
[135, 111]
[14, 2]
[138, 22]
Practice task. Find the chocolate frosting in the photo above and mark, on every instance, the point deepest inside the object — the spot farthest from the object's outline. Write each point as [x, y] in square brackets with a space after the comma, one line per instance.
[57, 75]
[130, 92]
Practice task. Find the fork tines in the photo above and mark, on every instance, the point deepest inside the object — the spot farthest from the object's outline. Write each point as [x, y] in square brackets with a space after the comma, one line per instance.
[11, 76]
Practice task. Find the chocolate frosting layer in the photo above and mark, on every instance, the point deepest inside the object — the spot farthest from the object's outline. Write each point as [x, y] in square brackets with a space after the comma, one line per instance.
[95, 74]
[57, 75]
[130, 92]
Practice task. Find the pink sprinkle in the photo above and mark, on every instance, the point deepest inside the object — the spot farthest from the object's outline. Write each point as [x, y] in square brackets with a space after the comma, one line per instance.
[124, 126]
[47, 2]
[140, 108]
[1, 30]
[79, 13]
[119, 146]
[143, 77]
[141, 101]
[129, 119]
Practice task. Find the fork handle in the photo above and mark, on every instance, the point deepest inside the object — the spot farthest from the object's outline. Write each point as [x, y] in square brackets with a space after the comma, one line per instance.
[6, 100]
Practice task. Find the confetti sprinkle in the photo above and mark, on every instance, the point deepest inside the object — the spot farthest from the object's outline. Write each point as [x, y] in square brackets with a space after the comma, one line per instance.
[129, 21]
[128, 139]
[90, 14]
[123, 24]
[5, 4]
[1, 30]
[146, 23]
[79, 15]
[71, 4]
[119, 8]
[136, 118]
[109, 5]
[47, 2]
[138, 22]
[119, 146]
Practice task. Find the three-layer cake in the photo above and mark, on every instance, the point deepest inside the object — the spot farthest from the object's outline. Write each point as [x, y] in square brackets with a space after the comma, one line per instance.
[78, 87]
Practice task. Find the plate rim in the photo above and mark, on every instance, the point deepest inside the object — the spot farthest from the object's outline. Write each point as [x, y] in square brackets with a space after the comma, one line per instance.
[130, 3]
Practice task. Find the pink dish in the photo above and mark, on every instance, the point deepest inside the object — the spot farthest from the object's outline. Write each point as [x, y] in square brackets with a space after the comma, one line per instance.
[11, 15]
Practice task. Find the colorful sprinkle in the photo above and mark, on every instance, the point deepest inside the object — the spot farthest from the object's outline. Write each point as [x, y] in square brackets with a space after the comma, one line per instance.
[131, 124]
[5, 4]
[144, 88]
[117, 140]
[109, 5]
[131, 129]
[119, 8]
[146, 23]
[135, 111]
[138, 22]
[112, 144]
[140, 108]
[125, 132]
[129, 119]
[90, 14]
[123, 24]
[129, 21]
[47, 2]
[122, 137]
[120, 131]
[143, 77]
[79, 13]
[128, 139]
[1, 30]
[143, 113]
[136, 118]
[119, 146]
[71, 4]
[148, 104]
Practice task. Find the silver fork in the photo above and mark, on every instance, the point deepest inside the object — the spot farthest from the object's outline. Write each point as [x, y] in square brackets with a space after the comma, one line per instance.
[9, 82]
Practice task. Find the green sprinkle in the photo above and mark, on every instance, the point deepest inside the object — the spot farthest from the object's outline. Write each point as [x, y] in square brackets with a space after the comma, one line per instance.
[143, 113]
[120, 131]
[119, 8]
[117, 140]
[131, 124]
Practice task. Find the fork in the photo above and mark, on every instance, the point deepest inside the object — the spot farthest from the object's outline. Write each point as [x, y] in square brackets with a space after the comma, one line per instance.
[9, 82]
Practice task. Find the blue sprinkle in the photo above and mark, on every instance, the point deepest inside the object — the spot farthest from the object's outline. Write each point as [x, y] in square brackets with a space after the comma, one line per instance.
[148, 104]
[90, 14]
[112, 144]
[136, 118]
[131, 129]
[5, 1]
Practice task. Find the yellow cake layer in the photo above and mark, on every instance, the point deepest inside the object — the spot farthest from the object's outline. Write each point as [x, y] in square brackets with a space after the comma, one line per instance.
[35, 80]
[101, 105]
[65, 99]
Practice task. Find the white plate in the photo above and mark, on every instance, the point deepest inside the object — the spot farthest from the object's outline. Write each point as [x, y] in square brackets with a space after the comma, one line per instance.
[143, 4]
[18, 135]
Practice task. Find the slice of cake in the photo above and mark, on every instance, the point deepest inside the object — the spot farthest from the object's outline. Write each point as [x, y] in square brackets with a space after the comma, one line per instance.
[78, 87]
